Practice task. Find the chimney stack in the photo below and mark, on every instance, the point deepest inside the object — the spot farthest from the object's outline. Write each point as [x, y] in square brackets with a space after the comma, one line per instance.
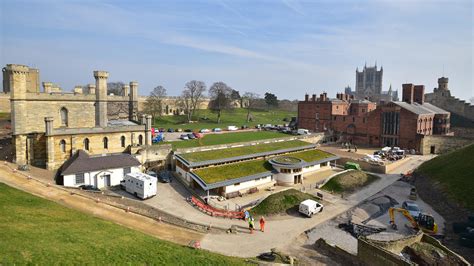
[313, 98]
[101, 98]
[419, 94]
[408, 91]
[306, 97]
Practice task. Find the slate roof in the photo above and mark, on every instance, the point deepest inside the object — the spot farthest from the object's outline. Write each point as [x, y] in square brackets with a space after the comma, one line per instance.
[421, 109]
[82, 162]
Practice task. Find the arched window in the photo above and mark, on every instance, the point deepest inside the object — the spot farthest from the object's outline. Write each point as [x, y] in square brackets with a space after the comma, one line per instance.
[64, 117]
[106, 143]
[62, 145]
[140, 140]
[122, 141]
[86, 144]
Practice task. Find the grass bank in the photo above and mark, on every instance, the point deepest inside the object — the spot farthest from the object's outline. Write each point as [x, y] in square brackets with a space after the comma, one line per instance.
[280, 202]
[349, 182]
[41, 232]
[226, 138]
[206, 119]
[454, 171]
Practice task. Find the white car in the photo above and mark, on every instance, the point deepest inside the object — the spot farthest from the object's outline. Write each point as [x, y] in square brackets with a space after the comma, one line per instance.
[204, 130]
[310, 207]
[232, 128]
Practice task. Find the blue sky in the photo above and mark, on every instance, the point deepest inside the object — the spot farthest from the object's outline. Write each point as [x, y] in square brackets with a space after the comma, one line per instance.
[287, 47]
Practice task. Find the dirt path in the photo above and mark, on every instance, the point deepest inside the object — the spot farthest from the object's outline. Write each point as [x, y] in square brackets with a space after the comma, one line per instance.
[133, 221]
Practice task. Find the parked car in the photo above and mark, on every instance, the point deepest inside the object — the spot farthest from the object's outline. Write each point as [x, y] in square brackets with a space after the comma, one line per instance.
[351, 165]
[244, 127]
[412, 208]
[184, 137]
[179, 130]
[204, 130]
[258, 126]
[89, 187]
[188, 130]
[164, 177]
[161, 129]
[152, 173]
[302, 131]
[216, 129]
[170, 130]
[191, 136]
[232, 128]
[310, 207]
[198, 135]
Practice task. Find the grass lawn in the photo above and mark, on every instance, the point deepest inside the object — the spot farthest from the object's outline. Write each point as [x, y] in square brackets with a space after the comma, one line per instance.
[349, 181]
[239, 151]
[234, 170]
[37, 231]
[280, 202]
[311, 155]
[455, 172]
[237, 117]
[226, 138]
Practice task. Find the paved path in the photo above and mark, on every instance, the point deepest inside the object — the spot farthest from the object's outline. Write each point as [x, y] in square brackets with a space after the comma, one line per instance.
[58, 194]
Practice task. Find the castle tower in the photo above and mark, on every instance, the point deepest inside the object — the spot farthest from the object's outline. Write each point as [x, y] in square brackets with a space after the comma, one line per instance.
[133, 101]
[101, 98]
[443, 84]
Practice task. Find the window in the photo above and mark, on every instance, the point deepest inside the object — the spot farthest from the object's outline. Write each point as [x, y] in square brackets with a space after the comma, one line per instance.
[106, 143]
[64, 118]
[317, 115]
[62, 145]
[363, 120]
[127, 170]
[86, 144]
[353, 119]
[79, 179]
[363, 110]
[122, 141]
[140, 140]
[343, 118]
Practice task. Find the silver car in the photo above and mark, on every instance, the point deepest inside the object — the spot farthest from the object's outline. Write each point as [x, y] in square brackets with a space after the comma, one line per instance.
[412, 208]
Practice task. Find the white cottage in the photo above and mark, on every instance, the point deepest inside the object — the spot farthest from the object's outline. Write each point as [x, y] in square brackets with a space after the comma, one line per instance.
[98, 171]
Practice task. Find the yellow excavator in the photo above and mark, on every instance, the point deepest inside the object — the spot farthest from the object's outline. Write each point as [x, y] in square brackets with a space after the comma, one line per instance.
[424, 221]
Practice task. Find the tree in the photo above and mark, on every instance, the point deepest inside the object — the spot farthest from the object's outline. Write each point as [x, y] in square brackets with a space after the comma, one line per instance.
[115, 87]
[221, 98]
[235, 96]
[154, 102]
[271, 100]
[191, 96]
[251, 100]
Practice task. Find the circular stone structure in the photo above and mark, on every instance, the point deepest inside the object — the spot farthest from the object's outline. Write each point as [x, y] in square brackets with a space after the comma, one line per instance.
[289, 170]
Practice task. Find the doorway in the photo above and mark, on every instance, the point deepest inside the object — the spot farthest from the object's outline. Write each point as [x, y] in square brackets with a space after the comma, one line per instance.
[297, 179]
[432, 149]
[107, 180]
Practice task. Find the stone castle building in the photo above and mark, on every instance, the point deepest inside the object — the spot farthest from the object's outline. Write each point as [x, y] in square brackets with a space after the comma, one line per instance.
[49, 126]
[369, 86]
[442, 98]
[397, 123]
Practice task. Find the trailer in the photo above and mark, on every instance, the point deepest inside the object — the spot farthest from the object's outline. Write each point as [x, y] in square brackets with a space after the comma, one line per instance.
[141, 185]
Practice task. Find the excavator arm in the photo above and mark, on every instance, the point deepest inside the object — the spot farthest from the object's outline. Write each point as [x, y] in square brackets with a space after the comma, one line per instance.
[425, 223]
[391, 212]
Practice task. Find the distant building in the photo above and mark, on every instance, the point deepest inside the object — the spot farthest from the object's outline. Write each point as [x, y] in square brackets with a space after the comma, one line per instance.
[369, 86]
[348, 91]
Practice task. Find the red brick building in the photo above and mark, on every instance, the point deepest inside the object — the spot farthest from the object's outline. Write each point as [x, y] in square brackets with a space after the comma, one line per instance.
[363, 122]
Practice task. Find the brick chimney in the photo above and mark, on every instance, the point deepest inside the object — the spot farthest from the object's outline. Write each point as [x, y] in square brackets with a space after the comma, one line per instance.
[408, 91]
[314, 98]
[306, 97]
[419, 94]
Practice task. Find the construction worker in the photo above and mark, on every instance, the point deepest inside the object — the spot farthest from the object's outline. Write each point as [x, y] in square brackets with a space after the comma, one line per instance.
[251, 225]
[262, 224]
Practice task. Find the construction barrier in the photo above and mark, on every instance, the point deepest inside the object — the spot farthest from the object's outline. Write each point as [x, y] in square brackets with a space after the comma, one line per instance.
[214, 211]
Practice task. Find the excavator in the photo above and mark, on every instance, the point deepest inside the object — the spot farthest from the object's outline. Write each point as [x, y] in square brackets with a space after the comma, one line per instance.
[424, 221]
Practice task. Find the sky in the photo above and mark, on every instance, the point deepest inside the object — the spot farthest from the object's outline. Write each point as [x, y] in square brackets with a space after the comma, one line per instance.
[285, 47]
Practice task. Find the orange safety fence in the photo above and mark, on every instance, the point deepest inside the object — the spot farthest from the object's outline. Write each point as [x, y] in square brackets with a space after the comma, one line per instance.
[214, 211]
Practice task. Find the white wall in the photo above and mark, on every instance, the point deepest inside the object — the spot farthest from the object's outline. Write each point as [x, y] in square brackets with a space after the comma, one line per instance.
[96, 178]
[244, 186]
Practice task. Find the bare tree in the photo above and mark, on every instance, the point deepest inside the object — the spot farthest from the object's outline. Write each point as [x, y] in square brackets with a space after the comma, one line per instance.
[221, 98]
[154, 102]
[115, 87]
[192, 95]
[250, 100]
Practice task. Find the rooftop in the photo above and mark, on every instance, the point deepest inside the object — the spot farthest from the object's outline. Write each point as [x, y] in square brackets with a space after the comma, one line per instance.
[82, 162]
[421, 109]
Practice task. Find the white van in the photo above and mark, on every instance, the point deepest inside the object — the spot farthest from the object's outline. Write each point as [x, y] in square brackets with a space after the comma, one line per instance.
[141, 185]
[232, 128]
[310, 207]
[302, 131]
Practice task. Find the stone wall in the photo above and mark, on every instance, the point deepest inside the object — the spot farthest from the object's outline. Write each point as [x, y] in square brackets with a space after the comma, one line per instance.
[463, 132]
[371, 254]
[5, 103]
[444, 100]
[442, 144]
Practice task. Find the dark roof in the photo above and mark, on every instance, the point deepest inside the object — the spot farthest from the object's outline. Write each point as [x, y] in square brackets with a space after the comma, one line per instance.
[421, 109]
[82, 162]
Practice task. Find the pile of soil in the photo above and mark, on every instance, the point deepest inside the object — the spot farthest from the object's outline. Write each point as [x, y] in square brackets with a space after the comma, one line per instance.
[427, 254]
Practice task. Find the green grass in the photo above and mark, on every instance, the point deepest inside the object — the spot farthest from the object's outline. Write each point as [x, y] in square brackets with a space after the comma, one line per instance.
[349, 182]
[454, 171]
[231, 171]
[240, 151]
[280, 202]
[37, 231]
[235, 117]
[226, 138]
[311, 155]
